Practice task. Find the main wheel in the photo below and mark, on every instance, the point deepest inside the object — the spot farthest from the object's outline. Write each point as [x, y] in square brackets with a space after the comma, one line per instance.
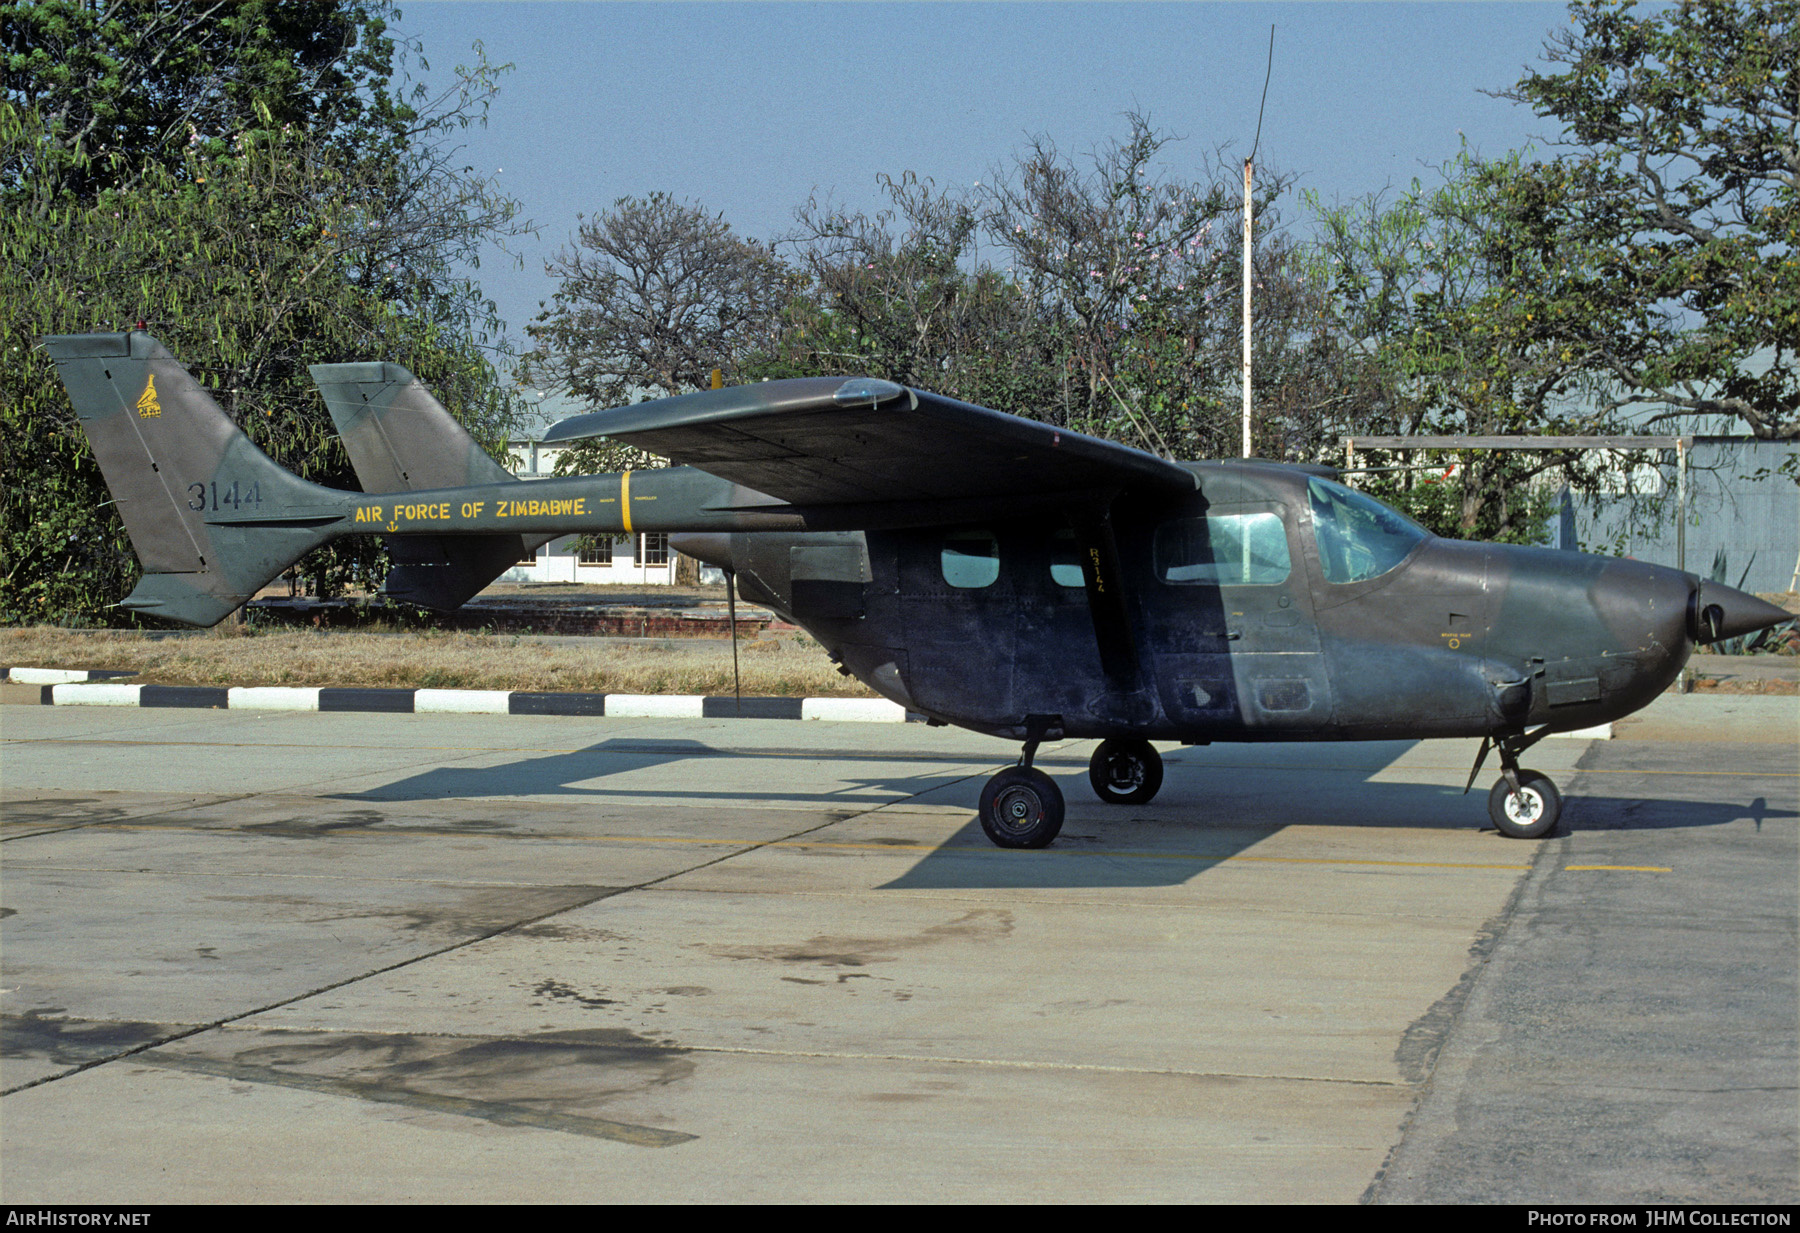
[1125, 771]
[1022, 807]
[1532, 813]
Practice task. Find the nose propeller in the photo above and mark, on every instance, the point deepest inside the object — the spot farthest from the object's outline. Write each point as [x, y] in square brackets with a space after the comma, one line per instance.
[1718, 612]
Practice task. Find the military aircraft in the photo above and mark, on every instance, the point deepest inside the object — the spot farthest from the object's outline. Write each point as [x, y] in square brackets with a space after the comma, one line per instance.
[984, 570]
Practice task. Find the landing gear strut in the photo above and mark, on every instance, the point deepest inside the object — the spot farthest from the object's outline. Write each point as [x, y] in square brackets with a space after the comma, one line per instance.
[1524, 804]
[1125, 771]
[1022, 807]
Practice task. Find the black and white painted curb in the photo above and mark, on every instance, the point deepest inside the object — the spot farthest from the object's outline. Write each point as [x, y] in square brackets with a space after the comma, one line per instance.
[67, 687]
[81, 687]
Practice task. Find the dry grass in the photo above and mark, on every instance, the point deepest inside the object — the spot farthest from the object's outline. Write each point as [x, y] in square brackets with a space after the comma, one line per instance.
[430, 659]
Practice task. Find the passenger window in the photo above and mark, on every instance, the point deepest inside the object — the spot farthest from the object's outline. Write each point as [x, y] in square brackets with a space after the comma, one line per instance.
[1223, 550]
[971, 559]
[1065, 560]
[1359, 537]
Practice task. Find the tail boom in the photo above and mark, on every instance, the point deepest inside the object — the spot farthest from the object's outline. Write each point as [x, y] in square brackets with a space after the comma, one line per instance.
[213, 519]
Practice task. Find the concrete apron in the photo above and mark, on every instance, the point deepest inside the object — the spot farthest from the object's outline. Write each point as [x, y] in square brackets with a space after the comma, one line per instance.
[303, 956]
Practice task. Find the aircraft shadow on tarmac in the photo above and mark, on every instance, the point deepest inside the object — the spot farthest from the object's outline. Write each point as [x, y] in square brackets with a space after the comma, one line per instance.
[1216, 803]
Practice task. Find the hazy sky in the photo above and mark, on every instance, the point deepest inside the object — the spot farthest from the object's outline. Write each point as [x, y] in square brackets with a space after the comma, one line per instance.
[748, 108]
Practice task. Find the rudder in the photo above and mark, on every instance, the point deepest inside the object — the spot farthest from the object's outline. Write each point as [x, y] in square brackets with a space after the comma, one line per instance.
[171, 456]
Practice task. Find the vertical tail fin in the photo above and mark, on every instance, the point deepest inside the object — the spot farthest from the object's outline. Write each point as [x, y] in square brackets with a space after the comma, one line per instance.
[401, 439]
[170, 457]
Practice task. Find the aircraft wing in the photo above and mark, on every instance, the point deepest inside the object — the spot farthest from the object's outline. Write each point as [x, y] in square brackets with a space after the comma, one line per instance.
[828, 441]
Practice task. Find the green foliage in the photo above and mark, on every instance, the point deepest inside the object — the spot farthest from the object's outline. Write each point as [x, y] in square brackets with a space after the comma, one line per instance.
[1436, 499]
[1668, 228]
[598, 454]
[250, 257]
[126, 86]
[1430, 292]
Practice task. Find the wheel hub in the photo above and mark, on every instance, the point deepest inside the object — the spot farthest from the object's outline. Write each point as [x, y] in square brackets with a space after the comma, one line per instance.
[1019, 807]
[1124, 773]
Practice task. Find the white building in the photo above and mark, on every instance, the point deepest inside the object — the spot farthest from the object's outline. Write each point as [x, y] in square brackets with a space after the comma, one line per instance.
[635, 560]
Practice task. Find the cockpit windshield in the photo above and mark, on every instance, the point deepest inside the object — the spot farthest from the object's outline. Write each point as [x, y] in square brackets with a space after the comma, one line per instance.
[1359, 537]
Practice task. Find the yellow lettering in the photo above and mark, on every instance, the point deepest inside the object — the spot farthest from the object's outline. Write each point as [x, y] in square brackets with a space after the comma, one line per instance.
[581, 505]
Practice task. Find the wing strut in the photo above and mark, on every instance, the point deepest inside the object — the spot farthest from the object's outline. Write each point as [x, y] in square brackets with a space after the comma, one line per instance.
[1105, 582]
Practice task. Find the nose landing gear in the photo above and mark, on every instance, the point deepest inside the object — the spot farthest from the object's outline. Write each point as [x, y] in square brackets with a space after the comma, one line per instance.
[1524, 804]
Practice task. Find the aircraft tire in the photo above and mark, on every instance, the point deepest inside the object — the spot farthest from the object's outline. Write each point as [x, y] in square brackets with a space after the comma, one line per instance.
[1021, 807]
[1538, 814]
[1126, 771]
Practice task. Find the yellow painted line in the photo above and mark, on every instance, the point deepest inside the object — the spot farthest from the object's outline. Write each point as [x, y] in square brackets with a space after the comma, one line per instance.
[625, 499]
[1618, 868]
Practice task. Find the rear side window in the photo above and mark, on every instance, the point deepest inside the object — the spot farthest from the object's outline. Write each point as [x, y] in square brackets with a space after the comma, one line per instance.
[1065, 560]
[1248, 549]
[971, 559]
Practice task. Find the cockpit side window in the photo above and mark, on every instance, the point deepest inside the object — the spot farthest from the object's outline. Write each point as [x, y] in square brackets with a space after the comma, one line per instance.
[1359, 538]
[1248, 549]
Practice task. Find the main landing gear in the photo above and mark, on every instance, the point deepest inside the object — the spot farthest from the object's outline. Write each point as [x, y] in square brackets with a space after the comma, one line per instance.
[1524, 804]
[1125, 771]
[1022, 807]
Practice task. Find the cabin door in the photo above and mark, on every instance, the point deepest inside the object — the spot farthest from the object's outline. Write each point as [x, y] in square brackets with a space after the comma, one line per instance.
[1235, 638]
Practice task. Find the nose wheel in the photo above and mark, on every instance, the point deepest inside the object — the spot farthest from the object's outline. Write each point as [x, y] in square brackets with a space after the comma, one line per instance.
[1524, 804]
[1529, 811]
[1125, 771]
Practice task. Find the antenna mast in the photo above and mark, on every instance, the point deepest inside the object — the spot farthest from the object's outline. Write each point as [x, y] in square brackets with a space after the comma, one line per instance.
[1249, 165]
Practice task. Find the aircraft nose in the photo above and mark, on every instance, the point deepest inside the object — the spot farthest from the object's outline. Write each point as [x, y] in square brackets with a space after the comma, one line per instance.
[1718, 612]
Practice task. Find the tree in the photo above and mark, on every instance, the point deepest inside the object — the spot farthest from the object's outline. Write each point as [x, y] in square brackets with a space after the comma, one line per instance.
[1442, 336]
[901, 294]
[121, 86]
[1130, 258]
[252, 256]
[655, 294]
[1670, 223]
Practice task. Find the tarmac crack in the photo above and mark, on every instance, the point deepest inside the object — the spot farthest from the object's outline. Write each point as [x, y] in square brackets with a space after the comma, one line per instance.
[461, 944]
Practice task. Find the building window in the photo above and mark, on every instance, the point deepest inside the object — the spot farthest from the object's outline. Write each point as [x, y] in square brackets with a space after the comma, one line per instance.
[653, 548]
[598, 553]
[528, 559]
